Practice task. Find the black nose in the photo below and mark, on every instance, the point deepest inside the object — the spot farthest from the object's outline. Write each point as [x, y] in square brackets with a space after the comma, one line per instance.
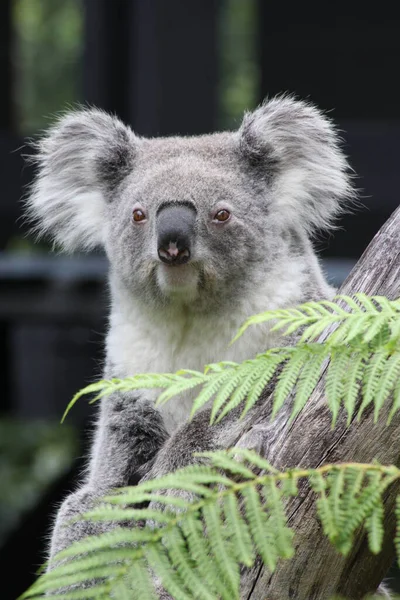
[175, 232]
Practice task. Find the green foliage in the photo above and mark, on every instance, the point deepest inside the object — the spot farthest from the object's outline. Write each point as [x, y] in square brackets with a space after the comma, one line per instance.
[33, 454]
[47, 58]
[194, 530]
[196, 546]
[239, 72]
[356, 340]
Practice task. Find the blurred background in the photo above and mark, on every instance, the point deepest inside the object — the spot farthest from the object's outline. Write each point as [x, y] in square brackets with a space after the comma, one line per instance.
[165, 67]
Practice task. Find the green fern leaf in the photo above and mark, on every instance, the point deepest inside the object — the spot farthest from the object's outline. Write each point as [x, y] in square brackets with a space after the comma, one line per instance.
[181, 559]
[98, 559]
[259, 528]
[222, 460]
[198, 545]
[222, 551]
[352, 382]
[170, 579]
[105, 541]
[353, 482]
[54, 583]
[98, 591]
[121, 591]
[374, 526]
[315, 330]
[252, 457]
[287, 379]
[195, 478]
[308, 380]
[319, 485]
[389, 378]
[241, 539]
[140, 585]
[126, 514]
[261, 383]
[367, 302]
[366, 501]
[224, 392]
[134, 496]
[336, 483]
[253, 373]
[334, 384]
[184, 385]
[278, 520]
[371, 378]
[210, 388]
[289, 485]
[375, 327]
[396, 402]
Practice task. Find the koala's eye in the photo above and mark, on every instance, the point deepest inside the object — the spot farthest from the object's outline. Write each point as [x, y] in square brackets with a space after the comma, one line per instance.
[222, 215]
[139, 215]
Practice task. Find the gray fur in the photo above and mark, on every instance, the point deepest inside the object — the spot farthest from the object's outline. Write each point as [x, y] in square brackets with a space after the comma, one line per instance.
[282, 175]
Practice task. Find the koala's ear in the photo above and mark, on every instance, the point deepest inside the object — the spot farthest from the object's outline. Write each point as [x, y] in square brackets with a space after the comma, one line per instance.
[297, 147]
[80, 160]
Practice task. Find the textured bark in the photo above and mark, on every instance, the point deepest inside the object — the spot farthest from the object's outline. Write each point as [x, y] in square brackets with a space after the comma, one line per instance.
[317, 571]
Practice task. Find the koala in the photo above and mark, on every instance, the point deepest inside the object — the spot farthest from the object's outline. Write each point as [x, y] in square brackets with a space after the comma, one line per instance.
[200, 233]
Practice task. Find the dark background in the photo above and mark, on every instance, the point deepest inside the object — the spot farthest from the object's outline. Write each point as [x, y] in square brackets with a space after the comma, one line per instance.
[165, 67]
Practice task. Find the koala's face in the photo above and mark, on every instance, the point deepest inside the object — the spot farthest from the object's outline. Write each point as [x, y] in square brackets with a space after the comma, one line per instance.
[195, 221]
[189, 224]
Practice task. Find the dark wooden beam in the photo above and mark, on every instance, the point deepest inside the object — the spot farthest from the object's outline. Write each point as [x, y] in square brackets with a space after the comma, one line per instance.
[6, 113]
[173, 87]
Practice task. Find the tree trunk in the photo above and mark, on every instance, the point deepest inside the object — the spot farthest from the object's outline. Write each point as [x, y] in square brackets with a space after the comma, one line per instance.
[317, 570]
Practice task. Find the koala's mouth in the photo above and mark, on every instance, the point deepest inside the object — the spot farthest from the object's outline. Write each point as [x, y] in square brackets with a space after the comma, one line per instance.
[174, 278]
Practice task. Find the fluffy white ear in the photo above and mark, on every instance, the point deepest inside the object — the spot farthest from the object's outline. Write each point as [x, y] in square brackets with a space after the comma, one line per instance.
[80, 160]
[297, 148]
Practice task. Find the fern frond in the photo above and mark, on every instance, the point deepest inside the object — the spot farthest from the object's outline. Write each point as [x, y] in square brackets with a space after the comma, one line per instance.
[308, 379]
[265, 374]
[222, 551]
[85, 563]
[252, 374]
[211, 386]
[170, 578]
[362, 352]
[372, 377]
[137, 584]
[361, 313]
[287, 379]
[352, 381]
[277, 518]
[198, 552]
[334, 384]
[258, 526]
[176, 546]
[374, 526]
[389, 378]
[98, 592]
[97, 573]
[396, 402]
[241, 539]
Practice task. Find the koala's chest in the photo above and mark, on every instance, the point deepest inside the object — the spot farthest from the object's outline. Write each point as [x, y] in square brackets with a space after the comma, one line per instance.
[146, 348]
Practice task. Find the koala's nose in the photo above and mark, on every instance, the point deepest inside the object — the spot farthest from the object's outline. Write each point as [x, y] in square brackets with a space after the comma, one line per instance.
[175, 232]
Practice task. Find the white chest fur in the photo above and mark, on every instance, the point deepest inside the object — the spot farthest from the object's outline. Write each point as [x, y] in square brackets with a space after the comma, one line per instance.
[145, 342]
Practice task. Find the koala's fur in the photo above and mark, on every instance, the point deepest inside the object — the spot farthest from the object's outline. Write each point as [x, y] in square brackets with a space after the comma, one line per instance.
[282, 176]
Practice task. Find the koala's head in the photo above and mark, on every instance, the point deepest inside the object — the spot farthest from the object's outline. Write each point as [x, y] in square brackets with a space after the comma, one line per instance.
[190, 219]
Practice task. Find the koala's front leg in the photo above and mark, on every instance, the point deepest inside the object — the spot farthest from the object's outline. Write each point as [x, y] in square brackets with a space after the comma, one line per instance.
[129, 433]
